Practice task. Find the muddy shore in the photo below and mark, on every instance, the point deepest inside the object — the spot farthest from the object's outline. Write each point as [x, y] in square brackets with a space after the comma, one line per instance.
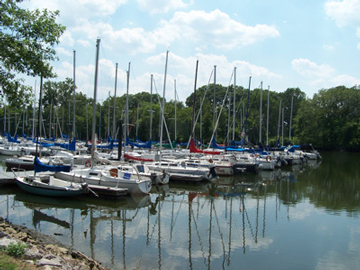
[44, 252]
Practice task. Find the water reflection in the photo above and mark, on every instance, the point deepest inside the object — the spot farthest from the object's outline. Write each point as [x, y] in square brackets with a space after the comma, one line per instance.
[251, 220]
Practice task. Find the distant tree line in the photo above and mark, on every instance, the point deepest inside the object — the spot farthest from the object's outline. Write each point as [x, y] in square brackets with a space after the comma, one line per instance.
[329, 120]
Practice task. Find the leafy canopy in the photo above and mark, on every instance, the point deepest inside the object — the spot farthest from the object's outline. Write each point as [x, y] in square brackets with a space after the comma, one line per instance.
[27, 39]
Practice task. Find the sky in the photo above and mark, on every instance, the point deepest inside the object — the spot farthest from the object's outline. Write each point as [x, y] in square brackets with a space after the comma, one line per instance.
[310, 44]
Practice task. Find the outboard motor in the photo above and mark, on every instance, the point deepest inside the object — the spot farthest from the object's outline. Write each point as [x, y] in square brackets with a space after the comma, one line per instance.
[213, 172]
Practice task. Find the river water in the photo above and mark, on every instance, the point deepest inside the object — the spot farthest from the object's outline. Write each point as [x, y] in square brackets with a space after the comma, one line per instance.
[299, 217]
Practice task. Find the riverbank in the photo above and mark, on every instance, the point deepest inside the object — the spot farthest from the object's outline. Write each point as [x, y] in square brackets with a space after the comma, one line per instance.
[44, 252]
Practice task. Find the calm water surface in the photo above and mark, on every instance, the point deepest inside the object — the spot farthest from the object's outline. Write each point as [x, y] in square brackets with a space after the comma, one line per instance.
[304, 217]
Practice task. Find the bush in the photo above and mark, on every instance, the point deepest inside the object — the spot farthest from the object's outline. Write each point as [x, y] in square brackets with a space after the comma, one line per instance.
[15, 249]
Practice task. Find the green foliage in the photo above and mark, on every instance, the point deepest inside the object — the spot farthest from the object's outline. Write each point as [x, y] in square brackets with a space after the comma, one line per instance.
[15, 249]
[331, 119]
[27, 39]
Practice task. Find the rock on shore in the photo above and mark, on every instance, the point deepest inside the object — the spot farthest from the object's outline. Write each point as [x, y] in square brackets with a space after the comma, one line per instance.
[44, 252]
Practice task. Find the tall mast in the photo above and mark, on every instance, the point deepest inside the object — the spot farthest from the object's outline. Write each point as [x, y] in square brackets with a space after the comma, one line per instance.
[39, 117]
[163, 101]
[108, 124]
[74, 87]
[33, 124]
[234, 107]
[267, 117]
[247, 108]
[93, 141]
[175, 108]
[214, 100]
[127, 105]
[151, 111]
[114, 118]
[194, 100]
[260, 116]
[282, 127]
[137, 120]
[278, 132]
[291, 112]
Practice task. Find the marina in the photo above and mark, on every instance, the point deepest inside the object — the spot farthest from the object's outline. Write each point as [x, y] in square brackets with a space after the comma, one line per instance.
[304, 216]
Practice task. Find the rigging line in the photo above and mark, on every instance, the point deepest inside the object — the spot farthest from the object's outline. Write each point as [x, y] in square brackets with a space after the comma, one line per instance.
[248, 220]
[198, 235]
[221, 108]
[220, 233]
[253, 100]
[178, 211]
[162, 112]
[198, 114]
[155, 223]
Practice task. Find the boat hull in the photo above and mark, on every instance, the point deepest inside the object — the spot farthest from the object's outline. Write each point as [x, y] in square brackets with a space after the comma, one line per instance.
[48, 190]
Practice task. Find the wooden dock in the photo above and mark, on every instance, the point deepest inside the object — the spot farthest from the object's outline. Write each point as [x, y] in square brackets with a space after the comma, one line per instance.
[8, 178]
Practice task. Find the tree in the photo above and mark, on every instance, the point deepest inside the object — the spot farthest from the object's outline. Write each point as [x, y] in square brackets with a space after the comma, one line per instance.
[331, 119]
[27, 39]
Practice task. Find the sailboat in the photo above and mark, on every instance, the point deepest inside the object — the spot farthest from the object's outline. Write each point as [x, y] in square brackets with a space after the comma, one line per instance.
[48, 185]
[106, 178]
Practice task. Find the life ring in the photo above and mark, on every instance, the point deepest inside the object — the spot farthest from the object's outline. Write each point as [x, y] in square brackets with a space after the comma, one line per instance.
[268, 158]
[88, 163]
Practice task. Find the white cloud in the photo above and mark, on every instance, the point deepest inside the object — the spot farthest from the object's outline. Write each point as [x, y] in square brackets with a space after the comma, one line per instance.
[346, 80]
[63, 51]
[328, 47]
[322, 76]
[214, 29]
[217, 29]
[345, 12]
[312, 70]
[161, 6]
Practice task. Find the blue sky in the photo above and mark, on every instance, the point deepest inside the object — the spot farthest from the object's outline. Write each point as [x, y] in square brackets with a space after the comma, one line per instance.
[310, 44]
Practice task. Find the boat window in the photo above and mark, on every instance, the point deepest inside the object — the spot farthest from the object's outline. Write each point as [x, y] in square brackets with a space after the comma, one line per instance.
[140, 168]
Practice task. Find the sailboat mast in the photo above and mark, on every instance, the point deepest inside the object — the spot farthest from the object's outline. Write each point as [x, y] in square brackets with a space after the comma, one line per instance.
[114, 118]
[127, 105]
[137, 120]
[214, 101]
[175, 108]
[267, 117]
[74, 87]
[282, 127]
[260, 115]
[278, 132]
[247, 108]
[50, 118]
[291, 113]
[93, 141]
[234, 107]
[33, 120]
[39, 117]
[151, 111]
[163, 102]
[194, 100]
[108, 123]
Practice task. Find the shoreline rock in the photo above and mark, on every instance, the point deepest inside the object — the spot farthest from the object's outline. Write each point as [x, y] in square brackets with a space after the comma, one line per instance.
[44, 252]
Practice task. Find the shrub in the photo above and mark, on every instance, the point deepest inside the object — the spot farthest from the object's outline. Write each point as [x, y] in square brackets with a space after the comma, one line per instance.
[15, 249]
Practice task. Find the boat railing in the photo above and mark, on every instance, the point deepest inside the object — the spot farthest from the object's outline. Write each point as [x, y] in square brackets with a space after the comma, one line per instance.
[16, 171]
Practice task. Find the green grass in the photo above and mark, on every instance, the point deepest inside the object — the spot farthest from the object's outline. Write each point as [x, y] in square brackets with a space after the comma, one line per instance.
[8, 263]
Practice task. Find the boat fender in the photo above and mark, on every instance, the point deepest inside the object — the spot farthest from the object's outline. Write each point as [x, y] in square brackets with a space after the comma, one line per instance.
[88, 163]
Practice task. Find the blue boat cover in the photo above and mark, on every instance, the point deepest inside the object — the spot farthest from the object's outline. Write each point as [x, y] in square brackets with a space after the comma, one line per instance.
[41, 167]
